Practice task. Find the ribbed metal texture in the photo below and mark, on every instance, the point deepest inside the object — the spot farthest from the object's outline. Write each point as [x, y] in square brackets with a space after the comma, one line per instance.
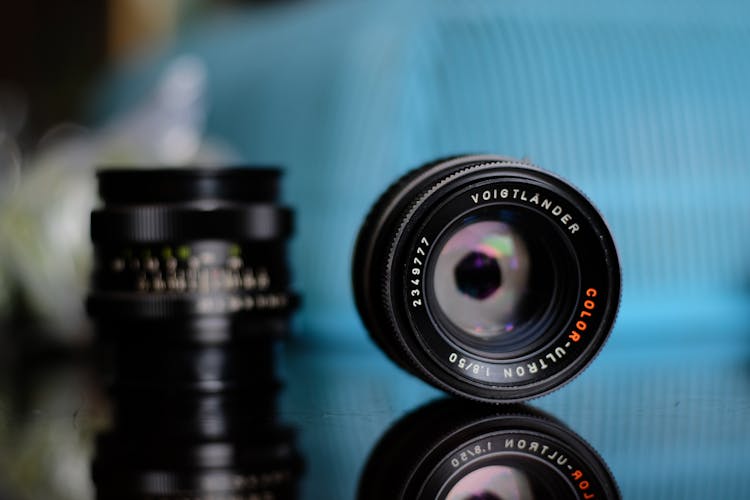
[157, 224]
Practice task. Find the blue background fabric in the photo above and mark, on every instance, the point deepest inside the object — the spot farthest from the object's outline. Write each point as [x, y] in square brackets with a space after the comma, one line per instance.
[643, 105]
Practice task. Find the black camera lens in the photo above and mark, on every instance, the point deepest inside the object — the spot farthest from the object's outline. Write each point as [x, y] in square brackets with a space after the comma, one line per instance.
[190, 291]
[453, 450]
[189, 261]
[190, 242]
[487, 277]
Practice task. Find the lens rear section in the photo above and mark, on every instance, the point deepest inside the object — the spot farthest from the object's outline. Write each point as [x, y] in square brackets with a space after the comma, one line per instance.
[487, 277]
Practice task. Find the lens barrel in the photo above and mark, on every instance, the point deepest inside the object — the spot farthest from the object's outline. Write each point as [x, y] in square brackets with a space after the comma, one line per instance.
[187, 262]
[454, 450]
[487, 277]
[181, 245]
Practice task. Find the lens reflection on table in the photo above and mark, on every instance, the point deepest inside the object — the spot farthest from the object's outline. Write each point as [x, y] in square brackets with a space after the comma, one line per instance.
[190, 294]
[453, 450]
[198, 443]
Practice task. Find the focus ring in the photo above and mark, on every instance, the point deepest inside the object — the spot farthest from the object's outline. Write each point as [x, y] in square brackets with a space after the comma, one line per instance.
[145, 186]
[365, 277]
[405, 220]
[156, 224]
[362, 272]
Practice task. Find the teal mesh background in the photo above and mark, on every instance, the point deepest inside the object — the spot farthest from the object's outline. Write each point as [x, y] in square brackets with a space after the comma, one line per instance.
[645, 107]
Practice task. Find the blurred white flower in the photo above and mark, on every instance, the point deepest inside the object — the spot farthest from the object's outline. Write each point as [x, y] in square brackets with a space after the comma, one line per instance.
[45, 249]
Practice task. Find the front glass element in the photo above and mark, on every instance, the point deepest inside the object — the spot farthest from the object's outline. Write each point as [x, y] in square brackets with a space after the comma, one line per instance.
[482, 279]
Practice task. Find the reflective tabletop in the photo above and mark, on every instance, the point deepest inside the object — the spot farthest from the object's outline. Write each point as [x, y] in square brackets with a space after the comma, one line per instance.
[668, 421]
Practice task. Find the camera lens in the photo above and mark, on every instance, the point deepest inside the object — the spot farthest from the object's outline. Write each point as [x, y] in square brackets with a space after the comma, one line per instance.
[453, 450]
[487, 277]
[191, 290]
[187, 262]
[189, 242]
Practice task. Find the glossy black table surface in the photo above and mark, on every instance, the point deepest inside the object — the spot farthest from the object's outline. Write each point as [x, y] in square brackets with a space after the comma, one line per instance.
[671, 419]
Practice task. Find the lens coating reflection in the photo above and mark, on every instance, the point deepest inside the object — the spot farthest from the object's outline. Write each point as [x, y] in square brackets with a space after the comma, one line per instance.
[481, 278]
[493, 482]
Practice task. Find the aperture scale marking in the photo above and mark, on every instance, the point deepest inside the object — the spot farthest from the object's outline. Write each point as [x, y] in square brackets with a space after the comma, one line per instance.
[153, 275]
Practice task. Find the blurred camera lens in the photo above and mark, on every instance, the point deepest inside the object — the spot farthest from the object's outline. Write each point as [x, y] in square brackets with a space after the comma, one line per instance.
[187, 262]
[193, 242]
[487, 277]
[453, 450]
[190, 290]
